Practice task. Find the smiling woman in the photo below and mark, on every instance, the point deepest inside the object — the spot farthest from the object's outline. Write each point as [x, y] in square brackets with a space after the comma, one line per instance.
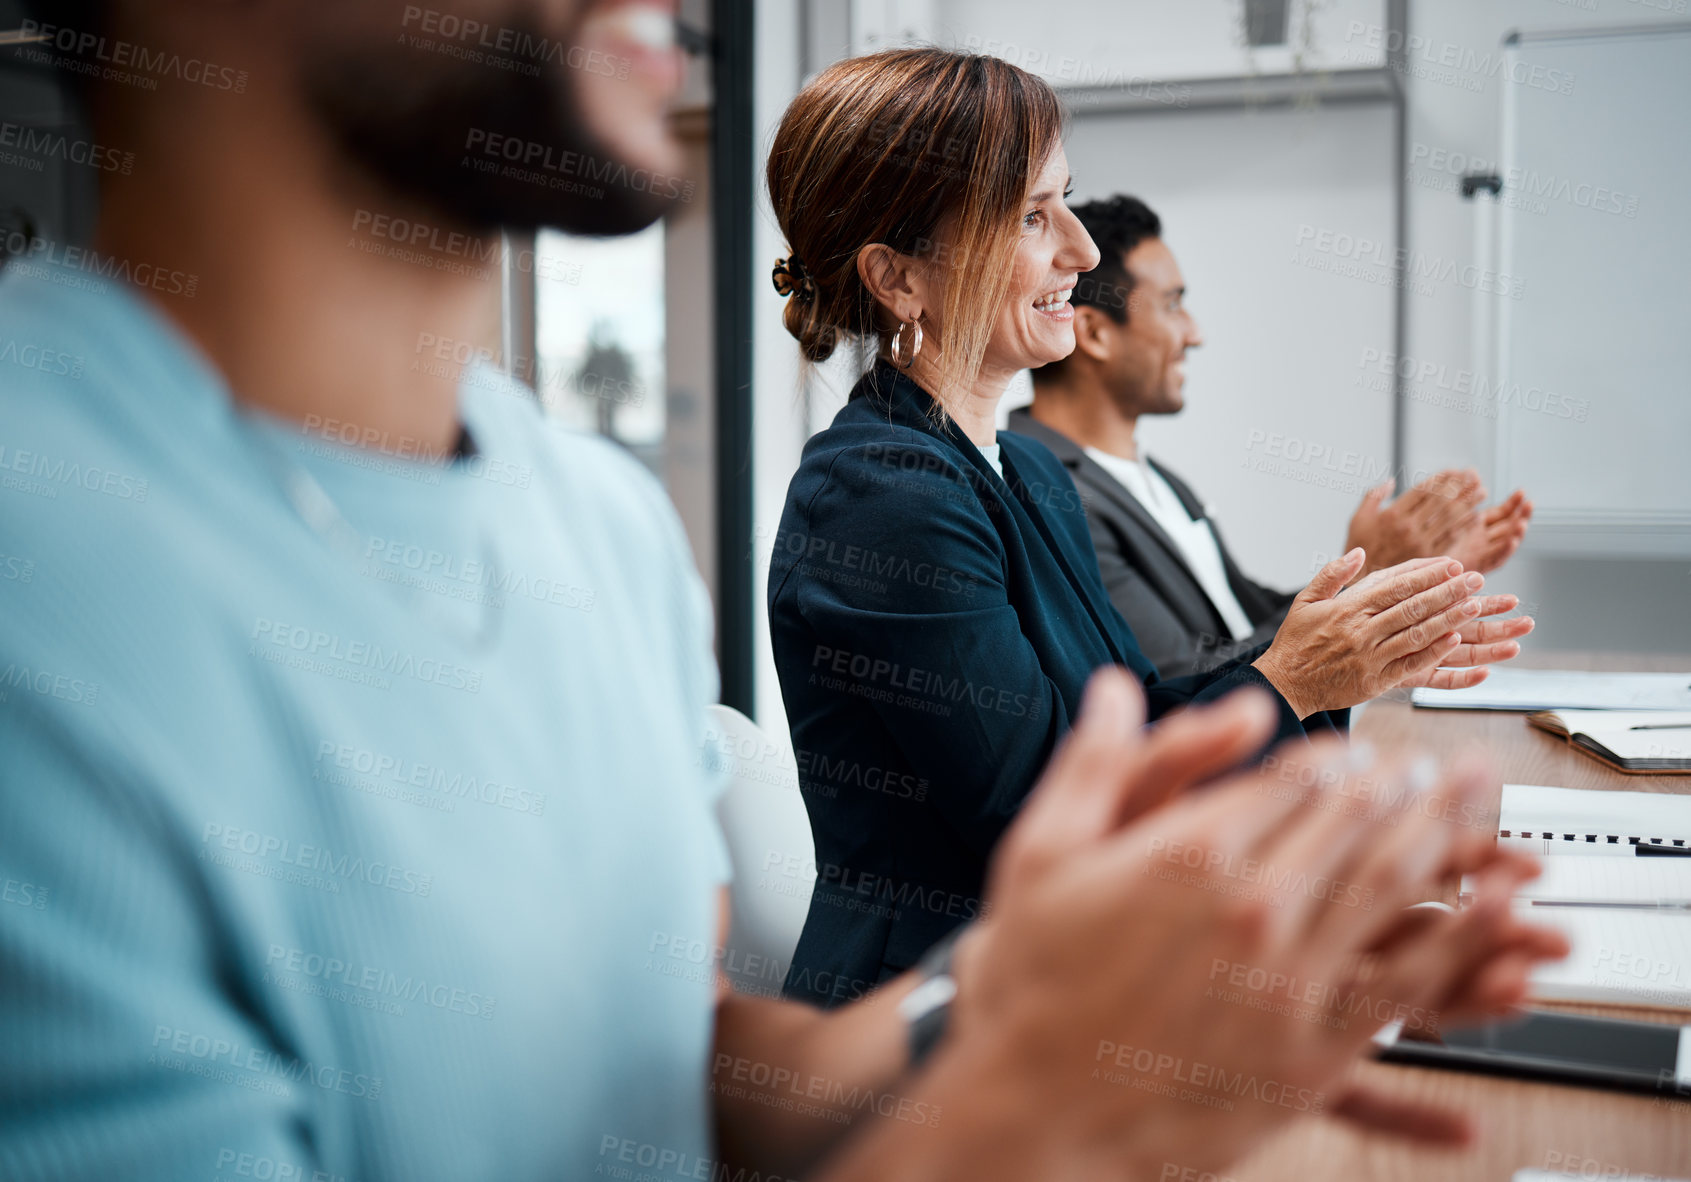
[929, 156]
[935, 604]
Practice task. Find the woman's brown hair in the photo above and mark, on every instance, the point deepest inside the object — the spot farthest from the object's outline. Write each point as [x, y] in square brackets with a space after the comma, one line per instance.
[885, 148]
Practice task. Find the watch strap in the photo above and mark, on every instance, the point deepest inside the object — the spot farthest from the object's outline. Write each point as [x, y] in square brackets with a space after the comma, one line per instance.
[926, 1009]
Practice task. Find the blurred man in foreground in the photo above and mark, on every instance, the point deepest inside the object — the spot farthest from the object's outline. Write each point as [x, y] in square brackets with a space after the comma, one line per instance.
[338, 871]
[1167, 570]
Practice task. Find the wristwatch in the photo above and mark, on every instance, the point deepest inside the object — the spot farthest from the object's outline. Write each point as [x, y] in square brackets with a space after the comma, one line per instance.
[926, 1009]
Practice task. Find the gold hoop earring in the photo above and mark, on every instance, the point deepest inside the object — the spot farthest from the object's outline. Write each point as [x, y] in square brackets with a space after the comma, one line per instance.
[913, 346]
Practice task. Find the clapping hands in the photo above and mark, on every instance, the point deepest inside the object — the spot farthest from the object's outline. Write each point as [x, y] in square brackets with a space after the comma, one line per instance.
[1133, 890]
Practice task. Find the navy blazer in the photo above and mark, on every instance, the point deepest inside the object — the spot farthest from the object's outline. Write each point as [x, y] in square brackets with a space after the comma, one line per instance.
[933, 627]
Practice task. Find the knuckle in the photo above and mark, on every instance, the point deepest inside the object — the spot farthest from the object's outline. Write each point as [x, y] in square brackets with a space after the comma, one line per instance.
[1021, 856]
[1246, 920]
[1392, 879]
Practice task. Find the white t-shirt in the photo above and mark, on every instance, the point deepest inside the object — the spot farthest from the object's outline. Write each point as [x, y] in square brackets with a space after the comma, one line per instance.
[1194, 539]
[992, 454]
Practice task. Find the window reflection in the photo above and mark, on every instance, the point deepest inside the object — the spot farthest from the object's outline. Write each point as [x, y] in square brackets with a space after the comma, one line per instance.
[599, 336]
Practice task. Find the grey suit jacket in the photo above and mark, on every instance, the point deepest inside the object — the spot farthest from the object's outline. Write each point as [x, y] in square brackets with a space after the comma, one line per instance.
[1147, 577]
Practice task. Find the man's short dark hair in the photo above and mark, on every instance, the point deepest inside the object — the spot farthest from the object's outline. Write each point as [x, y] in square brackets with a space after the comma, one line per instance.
[1117, 225]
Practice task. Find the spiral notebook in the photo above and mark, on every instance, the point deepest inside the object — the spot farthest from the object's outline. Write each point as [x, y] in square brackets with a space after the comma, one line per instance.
[1574, 820]
[1627, 918]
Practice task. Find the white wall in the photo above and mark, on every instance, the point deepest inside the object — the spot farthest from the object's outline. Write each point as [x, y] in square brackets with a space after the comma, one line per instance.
[1277, 435]
[1118, 42]
[780, 423]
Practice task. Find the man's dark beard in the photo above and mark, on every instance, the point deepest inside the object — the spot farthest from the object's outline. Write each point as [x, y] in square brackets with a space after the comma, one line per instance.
[420, 122]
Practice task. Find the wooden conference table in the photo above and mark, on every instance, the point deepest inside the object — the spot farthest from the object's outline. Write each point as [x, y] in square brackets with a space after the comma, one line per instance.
[1590, 1132]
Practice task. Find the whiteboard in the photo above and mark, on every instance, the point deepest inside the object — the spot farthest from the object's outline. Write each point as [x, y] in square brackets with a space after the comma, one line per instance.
[1593, 288]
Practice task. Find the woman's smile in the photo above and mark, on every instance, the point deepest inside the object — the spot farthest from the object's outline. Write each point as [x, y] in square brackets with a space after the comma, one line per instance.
[1055, 304]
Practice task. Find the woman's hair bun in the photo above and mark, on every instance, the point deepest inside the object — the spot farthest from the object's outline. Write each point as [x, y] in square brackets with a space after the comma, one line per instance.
[816, 337]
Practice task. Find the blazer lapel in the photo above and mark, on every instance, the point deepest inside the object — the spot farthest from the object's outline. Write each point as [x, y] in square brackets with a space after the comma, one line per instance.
[1128, 505]
[1258, 605]
[1089, 591]
[1084, 468]
[908, 403]
[1161, 562]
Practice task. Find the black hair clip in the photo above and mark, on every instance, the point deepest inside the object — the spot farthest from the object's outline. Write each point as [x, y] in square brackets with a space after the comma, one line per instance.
[790, 278]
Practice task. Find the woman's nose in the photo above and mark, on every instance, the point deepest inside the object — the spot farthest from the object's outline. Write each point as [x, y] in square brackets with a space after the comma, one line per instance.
[1080, 252]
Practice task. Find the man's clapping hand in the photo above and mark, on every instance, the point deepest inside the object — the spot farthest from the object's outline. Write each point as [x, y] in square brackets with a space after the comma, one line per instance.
[1431, 518]
[1493, 537]
[1439, 515]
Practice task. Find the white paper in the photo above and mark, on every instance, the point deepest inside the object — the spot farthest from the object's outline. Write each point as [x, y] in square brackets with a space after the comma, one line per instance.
[1612, 880]
[1557, 689]
[1640, 958]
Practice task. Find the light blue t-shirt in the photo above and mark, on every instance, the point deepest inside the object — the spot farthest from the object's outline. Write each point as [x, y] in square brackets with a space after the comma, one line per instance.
[352, 819]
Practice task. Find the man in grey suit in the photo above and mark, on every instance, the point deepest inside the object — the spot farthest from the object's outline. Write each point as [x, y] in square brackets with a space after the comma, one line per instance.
[1167, 570]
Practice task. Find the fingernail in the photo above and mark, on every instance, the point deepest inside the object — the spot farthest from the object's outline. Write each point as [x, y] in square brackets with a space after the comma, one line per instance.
[1475, 580]
[1099, 706]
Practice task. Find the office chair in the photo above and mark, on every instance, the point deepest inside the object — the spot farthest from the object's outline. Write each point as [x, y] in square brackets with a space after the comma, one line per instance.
[769, 844]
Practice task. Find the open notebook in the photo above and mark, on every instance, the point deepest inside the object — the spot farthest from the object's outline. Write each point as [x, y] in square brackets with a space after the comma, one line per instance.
[1636, 881]
[1628, 919]
[1628, 923]
[1640, 742]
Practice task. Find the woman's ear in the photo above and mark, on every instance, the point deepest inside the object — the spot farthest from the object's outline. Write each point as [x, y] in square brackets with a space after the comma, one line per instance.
[896, 281]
